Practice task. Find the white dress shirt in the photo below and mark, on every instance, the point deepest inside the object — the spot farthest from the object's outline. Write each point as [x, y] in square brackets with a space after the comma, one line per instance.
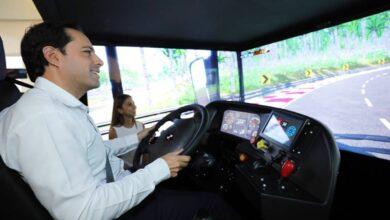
[50, 139]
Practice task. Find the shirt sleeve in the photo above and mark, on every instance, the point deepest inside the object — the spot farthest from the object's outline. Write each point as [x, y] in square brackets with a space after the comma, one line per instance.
[122, 145]
[51, 155]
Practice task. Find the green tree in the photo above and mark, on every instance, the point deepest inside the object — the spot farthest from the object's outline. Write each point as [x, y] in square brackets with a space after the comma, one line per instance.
[178, 65]
[377, 24]
[145, 74]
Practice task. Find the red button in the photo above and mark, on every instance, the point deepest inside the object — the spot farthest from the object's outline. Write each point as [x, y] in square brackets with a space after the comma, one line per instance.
[288, 168]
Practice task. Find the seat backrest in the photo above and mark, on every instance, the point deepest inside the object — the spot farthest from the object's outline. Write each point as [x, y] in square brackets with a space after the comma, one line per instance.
[9, 92]
[16, 197]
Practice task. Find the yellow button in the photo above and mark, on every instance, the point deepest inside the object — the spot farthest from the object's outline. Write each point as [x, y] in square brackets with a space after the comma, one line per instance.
[262, 145]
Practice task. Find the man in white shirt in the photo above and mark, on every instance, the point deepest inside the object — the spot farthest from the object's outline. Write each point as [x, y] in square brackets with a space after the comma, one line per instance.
[49, 138]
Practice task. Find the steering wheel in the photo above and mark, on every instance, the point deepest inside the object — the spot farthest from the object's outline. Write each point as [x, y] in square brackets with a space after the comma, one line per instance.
[183, 133]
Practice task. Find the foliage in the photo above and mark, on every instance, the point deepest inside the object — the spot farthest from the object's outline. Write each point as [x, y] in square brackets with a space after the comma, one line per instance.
[377, 24]
[357, 43]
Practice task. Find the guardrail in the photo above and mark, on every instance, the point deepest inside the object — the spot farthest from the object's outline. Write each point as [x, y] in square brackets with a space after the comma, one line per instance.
[146, 119]
[156, 116]
[267, 90]
[327, 74]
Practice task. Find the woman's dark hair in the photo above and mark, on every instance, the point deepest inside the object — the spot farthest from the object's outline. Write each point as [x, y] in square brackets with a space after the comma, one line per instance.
[39, 36]
[117, 118]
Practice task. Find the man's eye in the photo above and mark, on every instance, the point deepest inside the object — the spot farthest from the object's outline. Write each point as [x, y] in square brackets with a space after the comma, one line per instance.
[88, 51]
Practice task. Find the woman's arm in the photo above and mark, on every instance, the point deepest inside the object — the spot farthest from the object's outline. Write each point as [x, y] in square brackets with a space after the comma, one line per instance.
[112, 133]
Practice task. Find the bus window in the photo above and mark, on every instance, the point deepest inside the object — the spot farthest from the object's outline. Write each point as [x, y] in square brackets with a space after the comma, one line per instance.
[228, 75]
[100, 100]
[158, 78]
[341, 72]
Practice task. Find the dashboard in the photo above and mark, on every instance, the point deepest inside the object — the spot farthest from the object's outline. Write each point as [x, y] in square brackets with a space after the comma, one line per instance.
[241, 124]
[276, 159]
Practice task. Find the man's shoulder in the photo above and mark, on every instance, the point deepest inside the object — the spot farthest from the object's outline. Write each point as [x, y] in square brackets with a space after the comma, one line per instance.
[33, 104]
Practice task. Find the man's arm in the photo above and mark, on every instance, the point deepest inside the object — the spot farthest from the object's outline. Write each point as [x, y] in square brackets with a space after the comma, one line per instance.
[51, 153]
[122, 145]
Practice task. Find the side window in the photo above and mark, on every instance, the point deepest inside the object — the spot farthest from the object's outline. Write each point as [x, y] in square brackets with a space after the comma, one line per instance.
[157, 78]
[228, 75]
[100, 100]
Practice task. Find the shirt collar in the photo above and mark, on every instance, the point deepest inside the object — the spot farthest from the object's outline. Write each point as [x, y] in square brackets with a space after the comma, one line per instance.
[59, 93]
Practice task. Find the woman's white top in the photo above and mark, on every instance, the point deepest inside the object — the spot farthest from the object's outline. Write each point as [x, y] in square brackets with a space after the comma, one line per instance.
[122, 131]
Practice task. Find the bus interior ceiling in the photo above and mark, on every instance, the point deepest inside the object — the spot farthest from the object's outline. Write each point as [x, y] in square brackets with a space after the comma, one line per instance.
[229, 26]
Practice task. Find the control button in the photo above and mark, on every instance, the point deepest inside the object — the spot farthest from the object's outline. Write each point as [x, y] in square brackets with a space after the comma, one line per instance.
[262, 179]
[253, 140]
[261, 145]
[288, 168]
[243, 157]
[264, 185]
[257, 165]
[283, 187]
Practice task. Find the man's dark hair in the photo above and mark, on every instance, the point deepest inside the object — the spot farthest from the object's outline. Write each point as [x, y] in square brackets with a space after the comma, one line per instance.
[39, 36]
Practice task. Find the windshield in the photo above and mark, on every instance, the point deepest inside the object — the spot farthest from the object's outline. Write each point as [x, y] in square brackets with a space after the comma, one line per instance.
[338, 75]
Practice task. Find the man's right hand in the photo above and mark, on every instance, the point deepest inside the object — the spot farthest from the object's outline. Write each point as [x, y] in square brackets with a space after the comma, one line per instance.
[176, 162]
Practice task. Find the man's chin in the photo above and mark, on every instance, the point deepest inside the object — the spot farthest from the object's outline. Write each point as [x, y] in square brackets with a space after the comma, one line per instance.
[94, 86]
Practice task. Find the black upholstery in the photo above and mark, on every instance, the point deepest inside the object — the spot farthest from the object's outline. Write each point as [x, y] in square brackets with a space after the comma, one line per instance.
[16, 197]
[9, 92]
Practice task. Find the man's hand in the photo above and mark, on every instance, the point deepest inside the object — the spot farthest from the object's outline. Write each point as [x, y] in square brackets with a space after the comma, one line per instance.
[142, 134]
[176, 162]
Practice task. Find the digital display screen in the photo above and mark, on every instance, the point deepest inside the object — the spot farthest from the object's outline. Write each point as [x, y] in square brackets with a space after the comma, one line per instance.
[241, 124]
[282, 129]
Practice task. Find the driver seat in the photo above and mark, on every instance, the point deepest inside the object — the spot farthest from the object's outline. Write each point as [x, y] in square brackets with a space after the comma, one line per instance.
[17, 199]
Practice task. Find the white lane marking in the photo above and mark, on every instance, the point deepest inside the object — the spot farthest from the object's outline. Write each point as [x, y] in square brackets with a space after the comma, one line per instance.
[372, 78]
[369, 104]
[374, 70]
[385, 122]
[364, 86]
[363, 91]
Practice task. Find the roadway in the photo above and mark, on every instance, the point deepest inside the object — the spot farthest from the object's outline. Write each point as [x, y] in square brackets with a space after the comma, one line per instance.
[356, 109]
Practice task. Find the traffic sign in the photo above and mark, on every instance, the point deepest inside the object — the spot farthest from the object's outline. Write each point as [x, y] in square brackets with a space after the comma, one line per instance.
[309, 73]
[265, 79]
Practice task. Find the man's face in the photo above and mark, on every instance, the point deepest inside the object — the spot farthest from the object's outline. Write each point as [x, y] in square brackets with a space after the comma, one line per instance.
[80, 65]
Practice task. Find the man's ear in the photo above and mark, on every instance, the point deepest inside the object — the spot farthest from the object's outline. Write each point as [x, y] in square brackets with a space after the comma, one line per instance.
[51, 54]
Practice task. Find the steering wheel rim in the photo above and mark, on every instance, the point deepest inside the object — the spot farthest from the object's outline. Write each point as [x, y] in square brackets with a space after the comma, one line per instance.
[188, 132]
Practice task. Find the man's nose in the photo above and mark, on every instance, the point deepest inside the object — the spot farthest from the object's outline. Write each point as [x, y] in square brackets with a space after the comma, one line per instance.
[98, 61]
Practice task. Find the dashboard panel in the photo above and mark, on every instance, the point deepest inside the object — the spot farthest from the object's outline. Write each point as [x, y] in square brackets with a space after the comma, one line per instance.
[282, 129]
[273, 156]
[240, 123]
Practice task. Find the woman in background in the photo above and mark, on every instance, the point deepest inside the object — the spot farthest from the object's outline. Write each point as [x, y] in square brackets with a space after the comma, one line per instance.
[123, 122]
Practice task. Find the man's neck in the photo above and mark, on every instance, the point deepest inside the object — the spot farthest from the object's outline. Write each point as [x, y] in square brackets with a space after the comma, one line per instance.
[77, 93]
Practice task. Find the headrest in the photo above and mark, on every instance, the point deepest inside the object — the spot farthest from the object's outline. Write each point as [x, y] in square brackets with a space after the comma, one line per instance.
[2, 60]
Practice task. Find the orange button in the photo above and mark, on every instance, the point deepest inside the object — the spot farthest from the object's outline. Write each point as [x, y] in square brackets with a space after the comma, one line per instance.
[243, 157]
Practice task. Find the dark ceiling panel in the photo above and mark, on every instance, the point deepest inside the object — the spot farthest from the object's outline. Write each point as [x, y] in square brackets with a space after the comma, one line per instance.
[205, 24]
